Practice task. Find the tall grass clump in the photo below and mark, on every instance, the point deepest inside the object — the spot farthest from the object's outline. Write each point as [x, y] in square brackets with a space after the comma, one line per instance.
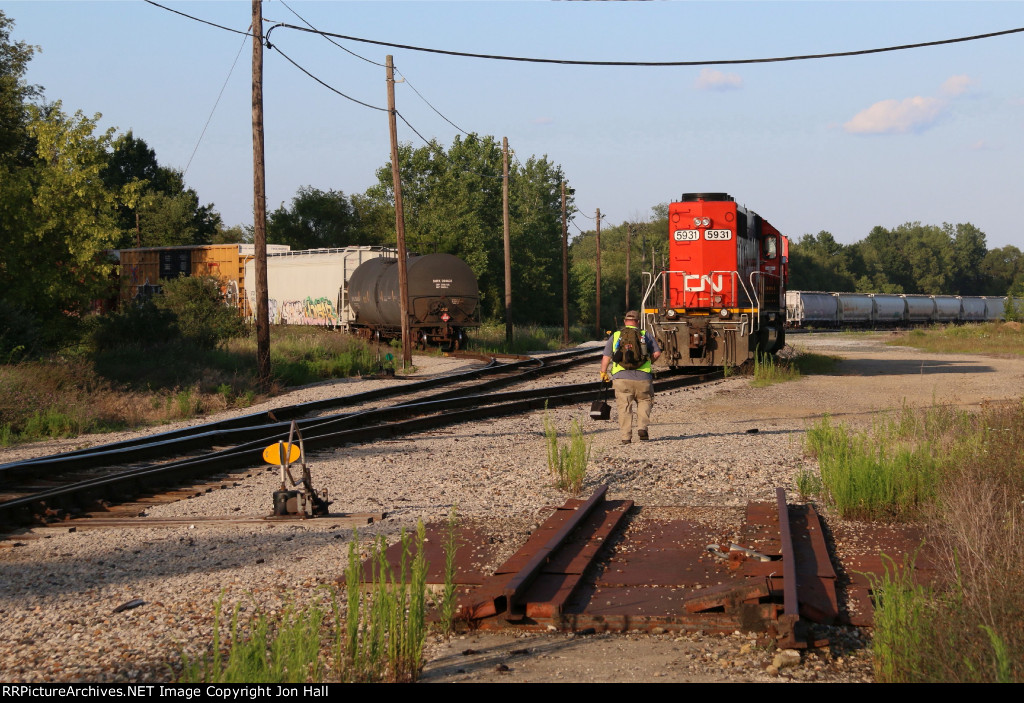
[904, 621]
[448, 602]
[769, 370]
[384, 629]
[310, 355]
[567, 463]
[285, 649]
[873, 476]
[962, 475]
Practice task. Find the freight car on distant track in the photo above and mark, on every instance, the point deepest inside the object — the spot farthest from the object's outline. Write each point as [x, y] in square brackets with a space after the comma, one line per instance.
[823, 309]
[723, 298]
[355, 289]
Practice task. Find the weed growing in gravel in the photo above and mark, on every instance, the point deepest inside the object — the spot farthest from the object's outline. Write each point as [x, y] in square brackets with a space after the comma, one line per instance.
[567, 463]
[807, 484]
[385, 629]
[283, 650]
[903, 623]
[448, 601]
[769, 369]
[872, 476]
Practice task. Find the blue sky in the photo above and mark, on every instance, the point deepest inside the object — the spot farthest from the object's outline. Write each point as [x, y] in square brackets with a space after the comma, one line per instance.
[843, 144]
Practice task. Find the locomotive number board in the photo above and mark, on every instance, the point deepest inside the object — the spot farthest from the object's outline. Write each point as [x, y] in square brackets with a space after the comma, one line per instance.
[711, 235]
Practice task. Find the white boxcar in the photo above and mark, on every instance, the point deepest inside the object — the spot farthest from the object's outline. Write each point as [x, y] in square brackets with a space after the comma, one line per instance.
[308, 287]
[920, 308]
[854, 308]
[947, 308]
[972, 309]
[889, 309]
[810, 308]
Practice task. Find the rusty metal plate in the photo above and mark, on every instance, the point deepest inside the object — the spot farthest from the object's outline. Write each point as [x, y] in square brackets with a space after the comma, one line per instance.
[664, 553]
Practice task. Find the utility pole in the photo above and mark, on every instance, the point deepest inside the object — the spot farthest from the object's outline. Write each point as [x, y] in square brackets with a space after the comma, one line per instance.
[508, 243]
[259, 209]
[629, 233]
[598, 300]
[565, 272]
[396, 175]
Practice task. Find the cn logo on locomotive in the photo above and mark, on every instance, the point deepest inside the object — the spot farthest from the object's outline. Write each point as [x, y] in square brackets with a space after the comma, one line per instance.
[702, 282]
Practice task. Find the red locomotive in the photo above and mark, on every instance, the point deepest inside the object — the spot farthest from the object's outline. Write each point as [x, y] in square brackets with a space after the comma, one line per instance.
[723, 298]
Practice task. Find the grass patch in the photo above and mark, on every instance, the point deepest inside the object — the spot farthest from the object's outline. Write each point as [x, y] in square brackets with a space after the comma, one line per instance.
[134, 385]
[769, 369]
[375, 635]
[883, 474]
[490, 338]
[283, 649]
[567, 463]
[985, 338]
[962, 475]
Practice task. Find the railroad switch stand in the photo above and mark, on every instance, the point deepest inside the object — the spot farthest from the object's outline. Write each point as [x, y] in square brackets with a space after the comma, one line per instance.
[294, 497]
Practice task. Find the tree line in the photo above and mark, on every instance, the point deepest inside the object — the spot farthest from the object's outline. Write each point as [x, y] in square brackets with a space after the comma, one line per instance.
[910, 258]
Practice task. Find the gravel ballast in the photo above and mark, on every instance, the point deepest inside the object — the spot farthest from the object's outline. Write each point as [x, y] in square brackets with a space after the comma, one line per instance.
[60, 588]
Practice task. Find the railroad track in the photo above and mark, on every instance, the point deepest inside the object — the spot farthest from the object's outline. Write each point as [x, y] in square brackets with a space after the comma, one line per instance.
[53, 487]
[592, 567]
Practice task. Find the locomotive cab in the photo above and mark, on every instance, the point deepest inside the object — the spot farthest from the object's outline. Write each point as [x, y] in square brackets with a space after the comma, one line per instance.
[722, 299]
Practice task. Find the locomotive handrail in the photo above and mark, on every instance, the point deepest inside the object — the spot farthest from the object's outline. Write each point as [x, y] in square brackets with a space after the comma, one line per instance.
[756, 298]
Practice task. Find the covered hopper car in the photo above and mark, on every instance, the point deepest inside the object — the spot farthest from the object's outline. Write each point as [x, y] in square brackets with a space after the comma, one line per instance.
[818, 309]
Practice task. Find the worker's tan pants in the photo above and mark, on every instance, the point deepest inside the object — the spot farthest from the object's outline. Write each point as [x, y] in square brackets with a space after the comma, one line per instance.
[626, 393]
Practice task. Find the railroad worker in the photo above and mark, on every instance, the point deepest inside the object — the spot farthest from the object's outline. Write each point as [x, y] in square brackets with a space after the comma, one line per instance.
[631, 375]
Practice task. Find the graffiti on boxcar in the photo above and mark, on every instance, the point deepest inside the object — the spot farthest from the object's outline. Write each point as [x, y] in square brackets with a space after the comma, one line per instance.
[320, 311]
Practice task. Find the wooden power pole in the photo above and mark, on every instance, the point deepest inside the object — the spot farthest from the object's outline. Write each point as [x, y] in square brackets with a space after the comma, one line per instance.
[508, 242]
[598, 296]
[629, 233]
[259, 201]
[396, 175]
[565, 272]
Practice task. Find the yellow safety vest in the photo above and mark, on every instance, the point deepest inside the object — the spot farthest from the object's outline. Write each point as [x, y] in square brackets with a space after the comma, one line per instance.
[644, 367]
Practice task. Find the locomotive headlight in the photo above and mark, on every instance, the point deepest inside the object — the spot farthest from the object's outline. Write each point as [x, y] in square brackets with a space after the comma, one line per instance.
[696, 222]
[670, 314]
[705, 221]
[724, 313]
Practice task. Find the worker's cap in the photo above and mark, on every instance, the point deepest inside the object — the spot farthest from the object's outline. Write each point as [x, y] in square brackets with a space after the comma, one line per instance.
[632, 315]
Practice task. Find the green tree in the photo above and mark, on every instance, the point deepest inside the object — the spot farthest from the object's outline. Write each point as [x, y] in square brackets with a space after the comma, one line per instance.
[453, 203]
[969, 250]
[1002, 270]
[168, 213]
[648, 246]
[15, 95]
[63, 217]
[318, 219]
[819, 262]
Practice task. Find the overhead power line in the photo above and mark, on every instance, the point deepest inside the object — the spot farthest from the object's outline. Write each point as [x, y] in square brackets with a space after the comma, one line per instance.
[212, 24]
[215, 104]
[716, 62]
[314, 29]
[324, 84]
